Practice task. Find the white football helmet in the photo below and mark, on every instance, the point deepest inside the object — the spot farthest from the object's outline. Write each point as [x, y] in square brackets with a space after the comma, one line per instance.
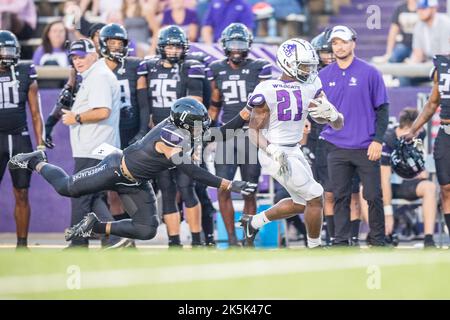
[298, 59]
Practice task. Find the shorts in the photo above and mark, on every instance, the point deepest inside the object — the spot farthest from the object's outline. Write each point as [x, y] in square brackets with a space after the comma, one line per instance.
[234, 153]
[442, 157]
[300, 184]
[10, 145]
[406, 190]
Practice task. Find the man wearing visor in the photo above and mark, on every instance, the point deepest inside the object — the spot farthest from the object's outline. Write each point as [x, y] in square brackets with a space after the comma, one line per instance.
[233, 79]
[357, 90]
[95, 113]
[18, 86]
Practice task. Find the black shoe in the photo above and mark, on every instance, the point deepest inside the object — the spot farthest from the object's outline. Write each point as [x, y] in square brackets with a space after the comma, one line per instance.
[428, 242]
[83, 229]
[21, 160]
[249, 231]
[72, 246]
[354, 242]
[123, 243]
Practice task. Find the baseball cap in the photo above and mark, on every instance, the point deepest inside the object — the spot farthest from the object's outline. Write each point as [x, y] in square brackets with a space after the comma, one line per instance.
[81, 47]
[342, 32]
[424, 4]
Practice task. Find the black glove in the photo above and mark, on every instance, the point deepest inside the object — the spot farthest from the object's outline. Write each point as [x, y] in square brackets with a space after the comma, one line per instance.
[49, 141]
[137, 137]
[243, 187]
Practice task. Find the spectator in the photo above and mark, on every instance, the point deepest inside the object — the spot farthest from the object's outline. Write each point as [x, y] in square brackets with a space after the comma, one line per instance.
[52, 51]
[431, 34]
[399, 42]
[358, 92]
[138, 21]
[20, 17]
[284, 13]
[222, 13]
[417, 188]
[100, 7]
[75, 22]
[183, 17]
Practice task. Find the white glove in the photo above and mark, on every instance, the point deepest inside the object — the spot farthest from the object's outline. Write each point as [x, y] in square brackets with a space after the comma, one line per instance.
[323, 109]
[281, 157]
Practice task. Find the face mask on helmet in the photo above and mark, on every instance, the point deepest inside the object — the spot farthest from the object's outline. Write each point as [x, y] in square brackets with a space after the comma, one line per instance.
[116, 48]
[305, 73]
[8, 56]
[407, 159]
[173, 52]
[237, 50]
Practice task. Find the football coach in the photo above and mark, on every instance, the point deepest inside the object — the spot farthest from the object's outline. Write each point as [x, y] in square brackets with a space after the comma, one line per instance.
[357, 90]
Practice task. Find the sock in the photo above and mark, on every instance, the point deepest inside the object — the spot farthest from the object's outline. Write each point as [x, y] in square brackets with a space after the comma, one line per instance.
[196, 239]
[22, 242]
[33, 162]
[121, 216]
[174, 240]
[99, 227]
[259, 220]
[355, 228]
[330, 225]
[312, 243]
[447, 220]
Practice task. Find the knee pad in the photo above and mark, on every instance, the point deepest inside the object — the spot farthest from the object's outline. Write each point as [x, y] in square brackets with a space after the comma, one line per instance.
[169, 202]
[145, 232]
[189, 196]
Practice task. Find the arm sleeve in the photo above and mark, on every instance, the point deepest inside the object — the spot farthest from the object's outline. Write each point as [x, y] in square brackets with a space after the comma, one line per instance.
[196, 75]
[199, 174]
[219, 133]
[144, 109]
[382, 121]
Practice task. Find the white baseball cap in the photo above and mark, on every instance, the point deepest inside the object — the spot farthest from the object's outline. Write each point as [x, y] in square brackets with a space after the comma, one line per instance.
[342, 32]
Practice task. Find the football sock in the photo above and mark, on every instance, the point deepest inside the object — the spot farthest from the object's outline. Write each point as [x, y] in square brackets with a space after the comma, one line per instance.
[174, 240]
[355, 228]
[259, 220]
[330, 225]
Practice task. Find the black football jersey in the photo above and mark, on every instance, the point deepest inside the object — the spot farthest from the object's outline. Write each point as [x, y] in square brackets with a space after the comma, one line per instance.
[14, 96]
[235, 85]
[166, 85]
[128, 76]
[142, 159]
[442, 66]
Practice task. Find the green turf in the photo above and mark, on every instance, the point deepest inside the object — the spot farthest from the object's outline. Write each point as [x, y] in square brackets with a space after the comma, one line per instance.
[349, 274]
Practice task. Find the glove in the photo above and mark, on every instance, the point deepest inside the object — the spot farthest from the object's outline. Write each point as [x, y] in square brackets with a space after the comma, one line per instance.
[280, 157]
[49, 141]
[137, 137]
[309, 155]
[242, 187]
[40, 147]
[323, 109]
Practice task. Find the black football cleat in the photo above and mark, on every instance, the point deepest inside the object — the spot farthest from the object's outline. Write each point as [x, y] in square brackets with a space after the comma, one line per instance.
[21, 160]
[82, 229]
[249, 231]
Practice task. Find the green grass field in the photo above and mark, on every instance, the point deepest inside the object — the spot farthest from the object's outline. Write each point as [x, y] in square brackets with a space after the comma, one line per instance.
[225, 274]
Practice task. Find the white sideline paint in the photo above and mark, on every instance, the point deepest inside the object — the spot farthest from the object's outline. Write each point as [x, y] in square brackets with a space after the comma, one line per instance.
[11, 285]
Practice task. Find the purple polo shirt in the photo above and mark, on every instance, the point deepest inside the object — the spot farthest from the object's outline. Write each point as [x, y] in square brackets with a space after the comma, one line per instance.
[221, 13]
[356, 92]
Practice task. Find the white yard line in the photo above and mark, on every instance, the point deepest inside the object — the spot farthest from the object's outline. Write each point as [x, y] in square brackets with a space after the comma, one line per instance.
[11, 285]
